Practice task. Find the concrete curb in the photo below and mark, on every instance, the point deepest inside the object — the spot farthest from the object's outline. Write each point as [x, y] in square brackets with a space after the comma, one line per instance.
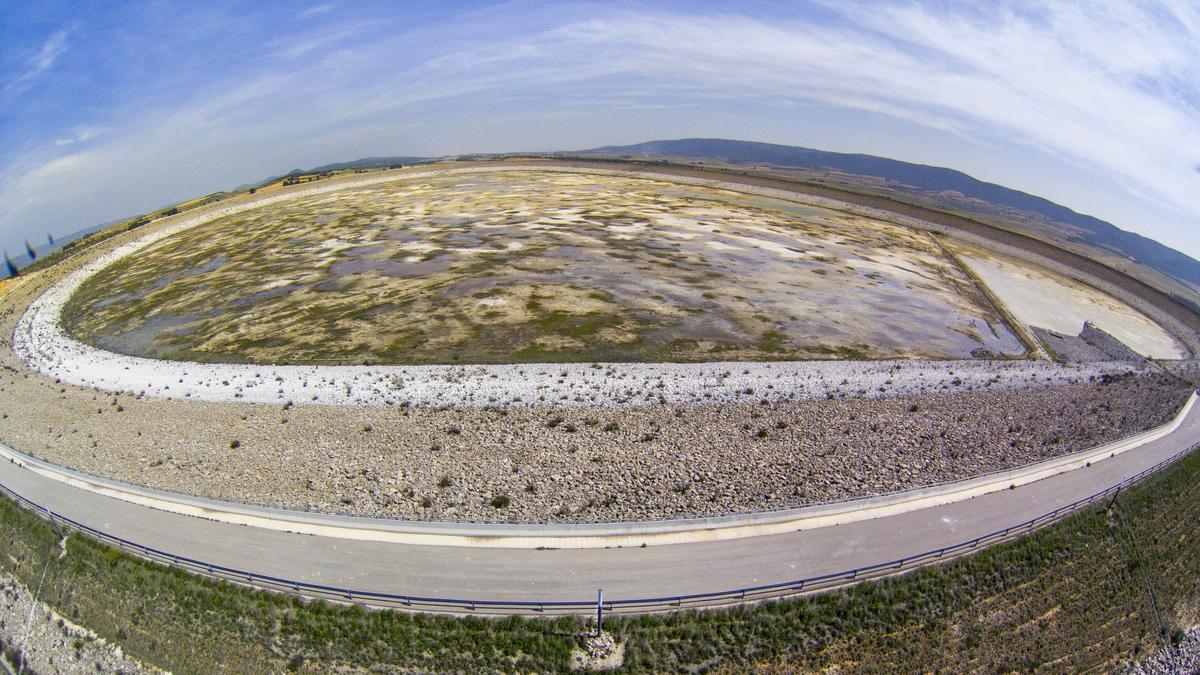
[591, 535]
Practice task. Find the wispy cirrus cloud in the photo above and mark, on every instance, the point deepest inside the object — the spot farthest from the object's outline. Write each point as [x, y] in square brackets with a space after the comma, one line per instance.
[40, 61]
[316, 10]
[1101, 89]
[80, 134]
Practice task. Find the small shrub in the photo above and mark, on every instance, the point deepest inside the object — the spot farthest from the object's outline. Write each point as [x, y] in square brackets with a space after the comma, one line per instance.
[235, 444]
[501, 501]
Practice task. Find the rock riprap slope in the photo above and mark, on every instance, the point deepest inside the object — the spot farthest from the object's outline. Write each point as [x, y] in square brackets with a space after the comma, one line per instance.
[577, 463]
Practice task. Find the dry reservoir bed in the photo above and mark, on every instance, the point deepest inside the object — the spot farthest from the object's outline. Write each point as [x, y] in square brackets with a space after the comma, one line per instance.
[827, 283]
[525, 266]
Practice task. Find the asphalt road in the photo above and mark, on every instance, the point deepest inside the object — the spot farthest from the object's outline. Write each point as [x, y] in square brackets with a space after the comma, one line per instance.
[575, 574]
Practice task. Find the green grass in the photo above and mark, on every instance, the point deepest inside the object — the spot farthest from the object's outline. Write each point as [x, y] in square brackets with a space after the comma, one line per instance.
[1078, 595]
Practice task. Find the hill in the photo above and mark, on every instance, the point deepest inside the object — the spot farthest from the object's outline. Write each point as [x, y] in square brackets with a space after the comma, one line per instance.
[366, 163]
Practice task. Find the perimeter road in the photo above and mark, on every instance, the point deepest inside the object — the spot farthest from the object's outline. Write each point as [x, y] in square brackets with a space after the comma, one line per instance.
[574, 574]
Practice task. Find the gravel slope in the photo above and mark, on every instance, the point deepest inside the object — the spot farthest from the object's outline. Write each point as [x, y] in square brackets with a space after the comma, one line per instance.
[578, 463]
[1183, 657]
[46, 642]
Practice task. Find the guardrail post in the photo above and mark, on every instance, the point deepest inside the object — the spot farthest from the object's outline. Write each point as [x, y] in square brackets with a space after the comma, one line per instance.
[599, 612]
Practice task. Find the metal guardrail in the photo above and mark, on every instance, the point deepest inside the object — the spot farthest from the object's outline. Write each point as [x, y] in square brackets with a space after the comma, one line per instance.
[665, 603]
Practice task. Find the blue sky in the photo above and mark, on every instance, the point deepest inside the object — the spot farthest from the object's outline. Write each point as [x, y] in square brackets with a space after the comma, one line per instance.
[108, 110]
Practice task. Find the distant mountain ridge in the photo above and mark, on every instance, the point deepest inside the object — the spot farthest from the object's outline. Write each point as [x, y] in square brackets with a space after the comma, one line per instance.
[364, 163]
[926, 178]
